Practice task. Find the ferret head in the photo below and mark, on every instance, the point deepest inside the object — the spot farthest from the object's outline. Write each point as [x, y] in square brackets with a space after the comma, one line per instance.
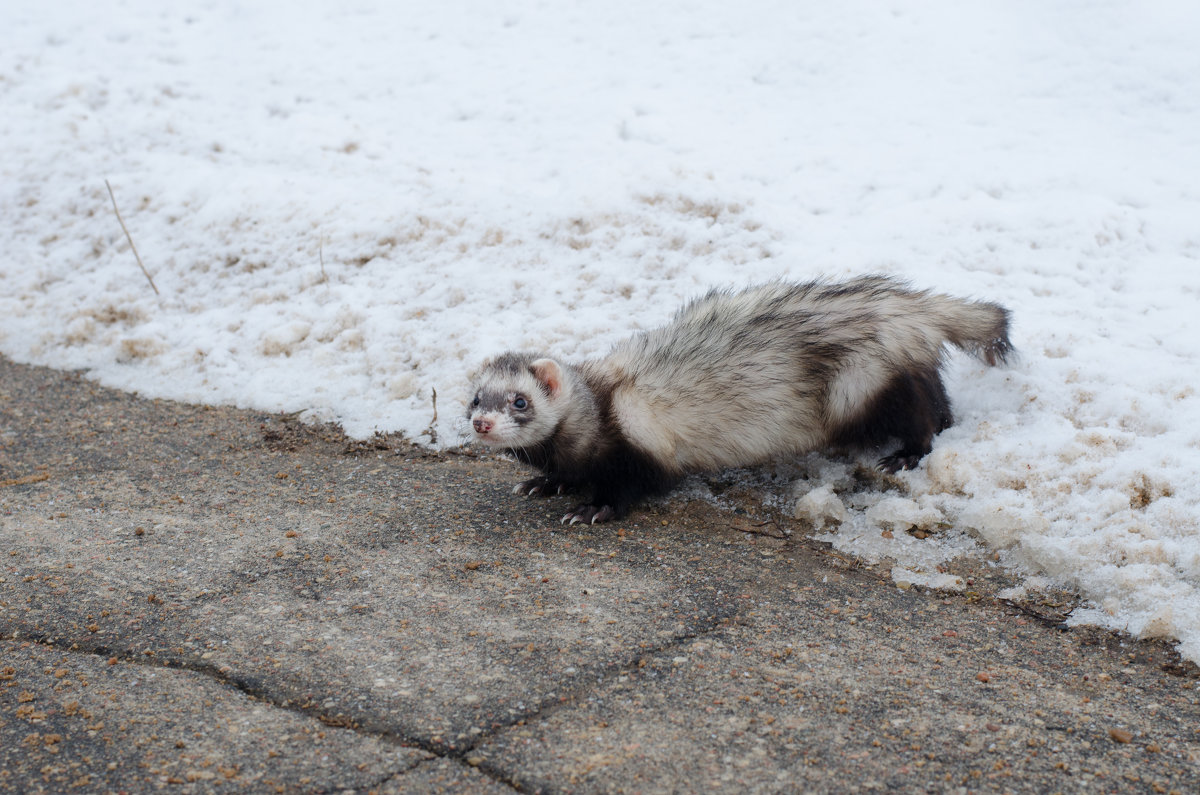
[518, 402]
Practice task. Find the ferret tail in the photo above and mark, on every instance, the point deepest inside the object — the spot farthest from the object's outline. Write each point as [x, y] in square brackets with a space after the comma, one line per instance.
[978, 327]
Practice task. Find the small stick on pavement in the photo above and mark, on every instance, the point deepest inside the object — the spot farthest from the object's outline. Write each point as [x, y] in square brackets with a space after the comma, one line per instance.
[744, 526]
[129, 237]
[25, 480]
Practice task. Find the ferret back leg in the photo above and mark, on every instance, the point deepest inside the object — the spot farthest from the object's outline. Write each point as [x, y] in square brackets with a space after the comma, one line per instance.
[921, 409]
[912, 408]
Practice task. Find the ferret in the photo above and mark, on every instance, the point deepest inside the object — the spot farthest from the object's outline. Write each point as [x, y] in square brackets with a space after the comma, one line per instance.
[736, 378]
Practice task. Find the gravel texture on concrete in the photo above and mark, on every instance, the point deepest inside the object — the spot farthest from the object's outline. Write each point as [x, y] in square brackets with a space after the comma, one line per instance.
[203, 599]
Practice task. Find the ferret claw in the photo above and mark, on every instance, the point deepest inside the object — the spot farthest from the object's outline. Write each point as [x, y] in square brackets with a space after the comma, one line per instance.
[531, 487]
[900, 460]
[540, 486]
[590, 514]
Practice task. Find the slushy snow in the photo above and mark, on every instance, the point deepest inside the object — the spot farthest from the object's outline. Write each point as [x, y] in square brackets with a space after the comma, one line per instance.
[345, 209]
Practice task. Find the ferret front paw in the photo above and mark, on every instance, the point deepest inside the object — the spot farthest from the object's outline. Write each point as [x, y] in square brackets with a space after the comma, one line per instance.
[589, 514]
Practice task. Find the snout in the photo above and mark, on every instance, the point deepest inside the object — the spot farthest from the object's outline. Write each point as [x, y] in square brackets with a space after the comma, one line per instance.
[482, 425]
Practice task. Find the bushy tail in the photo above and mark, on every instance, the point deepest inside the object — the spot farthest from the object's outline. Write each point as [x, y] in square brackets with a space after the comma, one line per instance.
[978, 327]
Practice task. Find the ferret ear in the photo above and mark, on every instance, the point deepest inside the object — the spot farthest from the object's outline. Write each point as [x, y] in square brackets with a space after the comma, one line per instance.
[549, 374]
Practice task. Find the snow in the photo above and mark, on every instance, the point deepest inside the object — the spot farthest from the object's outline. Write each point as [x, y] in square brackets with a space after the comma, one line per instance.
[347, 208]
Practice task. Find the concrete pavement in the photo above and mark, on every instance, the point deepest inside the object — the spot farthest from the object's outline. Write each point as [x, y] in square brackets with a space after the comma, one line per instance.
[204, 599]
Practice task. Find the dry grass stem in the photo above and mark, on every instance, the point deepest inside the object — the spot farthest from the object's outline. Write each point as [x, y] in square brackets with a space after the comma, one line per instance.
[129, 237]
[432, 429]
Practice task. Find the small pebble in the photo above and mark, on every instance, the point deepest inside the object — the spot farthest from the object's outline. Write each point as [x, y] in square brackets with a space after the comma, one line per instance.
[1120, 735]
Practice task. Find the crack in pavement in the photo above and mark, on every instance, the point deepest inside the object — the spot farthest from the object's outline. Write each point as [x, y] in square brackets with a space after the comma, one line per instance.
[545, 710]
[259, 689]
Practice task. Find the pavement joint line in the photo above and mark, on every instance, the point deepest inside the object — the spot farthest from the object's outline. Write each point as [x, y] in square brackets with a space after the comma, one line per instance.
[241, 684]
[606, 674]
[259, 695]
[460, 756]
[484, 768]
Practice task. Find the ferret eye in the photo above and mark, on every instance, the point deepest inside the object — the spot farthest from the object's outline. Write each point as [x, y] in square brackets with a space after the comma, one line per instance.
[475, 402]
[520, 404]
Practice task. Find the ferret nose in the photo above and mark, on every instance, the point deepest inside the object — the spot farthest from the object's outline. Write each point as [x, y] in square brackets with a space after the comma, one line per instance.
[481, 425]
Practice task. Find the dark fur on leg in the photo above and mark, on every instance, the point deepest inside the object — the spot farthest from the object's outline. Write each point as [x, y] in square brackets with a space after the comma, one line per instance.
[913, 408]
[620, 479]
